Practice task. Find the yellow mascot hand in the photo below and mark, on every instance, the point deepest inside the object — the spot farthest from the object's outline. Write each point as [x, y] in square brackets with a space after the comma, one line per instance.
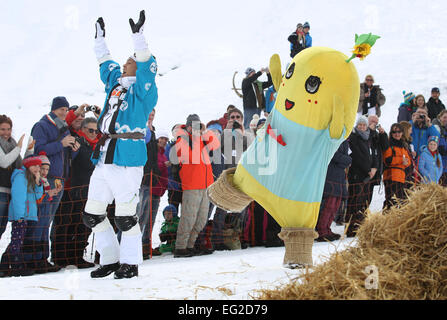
[337, 123]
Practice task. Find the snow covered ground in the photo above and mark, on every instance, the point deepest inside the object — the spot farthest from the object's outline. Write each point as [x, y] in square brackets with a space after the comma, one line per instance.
[47, 51]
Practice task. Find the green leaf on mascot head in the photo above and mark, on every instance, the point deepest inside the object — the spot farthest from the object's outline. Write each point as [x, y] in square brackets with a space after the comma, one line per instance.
[368, 38]
[363, 45]
[275, 71]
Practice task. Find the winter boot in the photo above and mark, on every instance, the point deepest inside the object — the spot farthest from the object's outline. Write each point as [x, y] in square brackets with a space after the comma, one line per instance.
[329, 237]
[182, 253]
[82, 264]
[20, 270]
[105, 270]
[126, 271]
[298, 243]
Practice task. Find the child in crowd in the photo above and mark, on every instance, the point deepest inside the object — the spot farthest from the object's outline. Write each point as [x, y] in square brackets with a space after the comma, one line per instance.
[26, 194]
[36, 243]
[430, 162]
[168, 232]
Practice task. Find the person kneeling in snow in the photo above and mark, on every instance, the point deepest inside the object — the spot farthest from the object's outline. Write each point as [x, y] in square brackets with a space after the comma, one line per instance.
[168, 231]
[120, 154]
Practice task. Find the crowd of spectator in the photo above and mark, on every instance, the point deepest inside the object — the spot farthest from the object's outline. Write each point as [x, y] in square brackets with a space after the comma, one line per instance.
[44, 194]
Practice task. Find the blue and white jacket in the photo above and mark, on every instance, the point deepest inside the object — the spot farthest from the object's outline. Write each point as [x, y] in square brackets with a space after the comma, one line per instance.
[132, 115]
[428, 166]
[23, 204]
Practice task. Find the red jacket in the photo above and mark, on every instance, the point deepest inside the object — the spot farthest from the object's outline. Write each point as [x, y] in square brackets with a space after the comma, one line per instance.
[193, 154]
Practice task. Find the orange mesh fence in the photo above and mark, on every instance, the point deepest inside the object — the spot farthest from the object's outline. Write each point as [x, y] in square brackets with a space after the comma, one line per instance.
[68, 238]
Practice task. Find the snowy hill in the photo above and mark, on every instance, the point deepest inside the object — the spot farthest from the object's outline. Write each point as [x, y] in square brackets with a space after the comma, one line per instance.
[47, 50]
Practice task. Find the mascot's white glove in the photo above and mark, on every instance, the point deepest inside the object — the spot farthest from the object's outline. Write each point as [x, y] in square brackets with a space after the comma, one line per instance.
[142, 52]
[101, 50]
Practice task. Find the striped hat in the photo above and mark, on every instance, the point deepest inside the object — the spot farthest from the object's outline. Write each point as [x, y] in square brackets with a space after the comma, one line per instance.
[32, 161]
[44, 158]
[408, 97]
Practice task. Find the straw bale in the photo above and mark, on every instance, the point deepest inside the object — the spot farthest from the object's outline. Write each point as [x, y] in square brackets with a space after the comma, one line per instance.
[407, 245]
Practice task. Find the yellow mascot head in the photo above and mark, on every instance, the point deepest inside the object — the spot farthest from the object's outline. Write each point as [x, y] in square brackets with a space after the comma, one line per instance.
[314, 79]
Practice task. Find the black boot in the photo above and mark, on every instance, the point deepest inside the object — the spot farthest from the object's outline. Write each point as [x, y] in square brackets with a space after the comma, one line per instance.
[19, 269]
[126, 271]
[105, 270]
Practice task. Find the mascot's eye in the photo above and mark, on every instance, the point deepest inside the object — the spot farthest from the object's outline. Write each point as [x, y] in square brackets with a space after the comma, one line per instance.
[289, 72]
[312, 84]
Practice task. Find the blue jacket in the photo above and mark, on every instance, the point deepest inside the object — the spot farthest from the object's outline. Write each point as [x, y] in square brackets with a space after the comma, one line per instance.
[270, 98]
[428, 168]
[133, 113]
[335, 185]
[23, 204]
[308, 39]
[420, 137]
[48, 138]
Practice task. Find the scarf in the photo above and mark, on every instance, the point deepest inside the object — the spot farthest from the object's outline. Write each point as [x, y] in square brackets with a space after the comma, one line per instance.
[92, 143]
[363, 134]
[126, 82]
[9, 145]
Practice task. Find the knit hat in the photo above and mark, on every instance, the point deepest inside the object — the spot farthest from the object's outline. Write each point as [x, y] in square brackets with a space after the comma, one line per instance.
[215, 126]
[32, 161]
[299, 25]
[254, 122]
[59, 102]
[435, 90]
[261, 122]
[306, 25]
[408, 97]
[433, 138]
[162, 134]
[192, 118]
[171, 208]
[361, 119]
[44, 158]
[249, 70]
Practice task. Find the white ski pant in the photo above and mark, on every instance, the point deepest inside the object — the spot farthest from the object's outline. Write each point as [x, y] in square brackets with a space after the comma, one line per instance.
[111, 182]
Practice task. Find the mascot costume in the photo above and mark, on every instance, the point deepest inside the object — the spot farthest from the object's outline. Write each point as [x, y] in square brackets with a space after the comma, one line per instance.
[285, 168]
[120, 154]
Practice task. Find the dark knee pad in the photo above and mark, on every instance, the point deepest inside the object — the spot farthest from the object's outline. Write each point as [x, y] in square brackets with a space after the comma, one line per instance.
[125, 223]
[92, 220]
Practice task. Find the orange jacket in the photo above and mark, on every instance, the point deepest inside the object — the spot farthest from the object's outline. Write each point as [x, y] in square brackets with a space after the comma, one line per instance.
[195, 166]
[394, 168]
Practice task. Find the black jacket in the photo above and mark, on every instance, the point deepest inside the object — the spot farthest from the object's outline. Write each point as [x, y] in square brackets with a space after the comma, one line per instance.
[434, 108]
[252, 97]
[296, 47]
[365, 156]
[152, 162]
[335, 185]
[380, 140]
[81, 166]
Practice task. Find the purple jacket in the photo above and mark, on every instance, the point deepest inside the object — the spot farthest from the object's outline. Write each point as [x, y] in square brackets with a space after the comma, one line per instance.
[48, 135]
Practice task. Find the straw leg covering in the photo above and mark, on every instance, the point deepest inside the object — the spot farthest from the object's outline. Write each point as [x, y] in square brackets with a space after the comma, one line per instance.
[298, 243]
[224, 194]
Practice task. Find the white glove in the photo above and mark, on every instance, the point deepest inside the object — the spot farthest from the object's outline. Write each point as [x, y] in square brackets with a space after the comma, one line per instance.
[142, 52]
[101, 50]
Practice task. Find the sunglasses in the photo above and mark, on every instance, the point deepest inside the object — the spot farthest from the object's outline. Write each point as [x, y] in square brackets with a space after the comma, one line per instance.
[369, 80]
[393, 132]
[92, 131]
[235, 117]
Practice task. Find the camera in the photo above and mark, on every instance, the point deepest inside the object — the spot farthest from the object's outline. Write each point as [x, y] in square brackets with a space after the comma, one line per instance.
[422, 117]
[94, 109]
[236, 125]
[378, 126]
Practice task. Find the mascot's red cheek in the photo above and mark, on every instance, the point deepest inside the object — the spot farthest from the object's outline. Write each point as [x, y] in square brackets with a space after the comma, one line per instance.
[289, 104]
